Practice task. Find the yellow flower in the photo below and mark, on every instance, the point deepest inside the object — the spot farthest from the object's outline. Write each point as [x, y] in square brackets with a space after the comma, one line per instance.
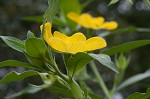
[87, 21]
[73, 44]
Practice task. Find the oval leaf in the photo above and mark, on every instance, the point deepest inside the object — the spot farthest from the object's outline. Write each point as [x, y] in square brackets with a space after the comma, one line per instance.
[35, 47]
[138, 95]
[30, 34]
[134, 79]
[147, 2]
[14, 76]
[15, 63]
[14, 43]
[28, 90]
[51, 11]
[113, 2]
[126, 47]
[104, 60]
[76, 62]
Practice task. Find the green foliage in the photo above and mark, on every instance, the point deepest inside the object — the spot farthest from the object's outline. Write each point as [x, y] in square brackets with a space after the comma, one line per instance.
[14, 43]
[36, 62]
[79, 60]
[51, 11]
[56, 20]
[67, 6]
[130, 29]
[104, 60]
[122, 62]
[14, 76]
[28, 90]
[15, 63]
[94, 96]
[147, 2]
[30, 34]
[35, 47]
[126, 47]
[134, 79]
[138, 95]
[113, 2]
[76, 62]
[130, 1]
[33, 18]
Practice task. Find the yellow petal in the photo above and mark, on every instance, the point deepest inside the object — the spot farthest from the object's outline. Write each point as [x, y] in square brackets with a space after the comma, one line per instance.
[57, 44]
[85, 20]
[109, 25]
[78, 46]
[73, 16]
[60, 35]
[97, 22]
[95, 43]
[77, 37]
[47, 31]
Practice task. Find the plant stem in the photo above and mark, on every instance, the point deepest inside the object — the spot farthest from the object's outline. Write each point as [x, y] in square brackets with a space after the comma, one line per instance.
[75, 88]
[100, 80]
[57, 71]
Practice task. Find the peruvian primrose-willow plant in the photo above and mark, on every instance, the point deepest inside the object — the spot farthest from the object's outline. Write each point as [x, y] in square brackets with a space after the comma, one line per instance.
[74, 49]
[77, 51]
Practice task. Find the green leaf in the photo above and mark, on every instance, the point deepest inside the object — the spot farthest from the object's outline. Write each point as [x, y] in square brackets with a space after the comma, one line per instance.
[15, 63]
[14, 76]
[105, 60]
[51, 11]
[113, 2]
[94, 96]
[134, 79]
[33, 18]
[28, 90]
[124, 30]
[37, 62]
[130, 1]
[35, 47]
[32, 89]
[147, 2]
[56, 89]
[138, 95]
[14, 43]
[86, 3]
[82, 74]
[30, 34]
[56, 20]
[129, 29]
[67, 6]
[76, 62]
[126, 47]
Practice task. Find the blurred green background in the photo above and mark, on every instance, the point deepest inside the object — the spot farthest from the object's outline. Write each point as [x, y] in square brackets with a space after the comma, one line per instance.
[127, 15]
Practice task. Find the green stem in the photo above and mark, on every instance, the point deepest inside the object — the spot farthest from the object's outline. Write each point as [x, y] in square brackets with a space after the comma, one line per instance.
[57, 71]
[75, 88]
[100, 80]
[117, 80]
[76, 91]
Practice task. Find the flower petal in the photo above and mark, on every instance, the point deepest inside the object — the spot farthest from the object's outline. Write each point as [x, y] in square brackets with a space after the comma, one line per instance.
[109, 25]
[85, 20]
[47, 31]
[97, 22]
[60, 35]
[73, 16]
[78, 46]
[77, 37]
[95, 43]
[57, 44]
